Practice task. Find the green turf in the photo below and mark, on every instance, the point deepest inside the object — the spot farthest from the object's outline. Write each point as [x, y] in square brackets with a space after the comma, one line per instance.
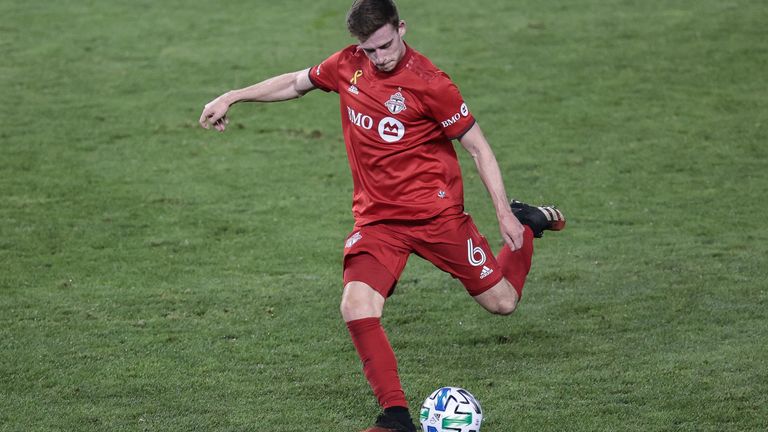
[158, 277]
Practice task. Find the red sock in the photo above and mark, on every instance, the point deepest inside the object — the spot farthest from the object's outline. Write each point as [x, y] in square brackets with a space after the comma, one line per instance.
[379, 363]
[516, 265]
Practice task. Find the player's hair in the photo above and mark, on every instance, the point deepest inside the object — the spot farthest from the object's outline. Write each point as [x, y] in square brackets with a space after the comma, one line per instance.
[367, 16]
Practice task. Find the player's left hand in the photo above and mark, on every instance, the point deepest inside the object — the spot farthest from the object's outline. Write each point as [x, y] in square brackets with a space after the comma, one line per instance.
[511, 230]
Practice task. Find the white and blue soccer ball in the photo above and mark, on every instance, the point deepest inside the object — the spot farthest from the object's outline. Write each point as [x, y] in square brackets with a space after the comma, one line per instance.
[451, 409]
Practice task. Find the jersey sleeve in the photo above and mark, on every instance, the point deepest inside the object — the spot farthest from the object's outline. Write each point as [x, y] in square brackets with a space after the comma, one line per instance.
[448, 107]
[325, 76]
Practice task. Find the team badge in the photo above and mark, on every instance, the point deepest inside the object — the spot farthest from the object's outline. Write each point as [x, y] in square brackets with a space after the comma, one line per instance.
[354, 238]
[396, 103]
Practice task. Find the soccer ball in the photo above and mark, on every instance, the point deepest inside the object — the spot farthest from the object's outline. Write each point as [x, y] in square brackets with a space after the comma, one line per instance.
[451, 409]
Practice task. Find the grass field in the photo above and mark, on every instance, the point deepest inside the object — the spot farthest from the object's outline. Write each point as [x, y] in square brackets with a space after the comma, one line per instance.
[158, 277]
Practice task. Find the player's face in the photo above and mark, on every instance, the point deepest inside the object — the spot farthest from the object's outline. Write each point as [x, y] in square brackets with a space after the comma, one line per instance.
[385, 47]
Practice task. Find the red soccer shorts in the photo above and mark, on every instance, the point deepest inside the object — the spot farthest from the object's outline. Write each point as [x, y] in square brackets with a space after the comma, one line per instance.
[376, 254]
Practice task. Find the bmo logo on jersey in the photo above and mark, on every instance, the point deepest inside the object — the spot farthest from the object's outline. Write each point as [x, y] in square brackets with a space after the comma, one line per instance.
[360, 119]
[391, 129]
[463, 112]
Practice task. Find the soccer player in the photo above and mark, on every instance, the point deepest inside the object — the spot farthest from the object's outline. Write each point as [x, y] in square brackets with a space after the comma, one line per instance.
[399, 115]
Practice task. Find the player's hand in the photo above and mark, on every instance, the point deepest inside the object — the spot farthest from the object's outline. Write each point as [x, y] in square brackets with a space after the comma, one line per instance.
[215, 114]
[511, 230]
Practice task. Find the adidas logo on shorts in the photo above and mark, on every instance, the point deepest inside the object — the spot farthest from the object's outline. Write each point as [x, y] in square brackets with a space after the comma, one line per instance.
[486, 271]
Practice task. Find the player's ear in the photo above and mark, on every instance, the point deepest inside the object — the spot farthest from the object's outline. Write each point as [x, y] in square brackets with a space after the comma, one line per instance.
[401, 28]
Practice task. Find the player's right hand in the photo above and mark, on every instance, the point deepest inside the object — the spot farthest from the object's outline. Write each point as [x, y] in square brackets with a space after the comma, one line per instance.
[215, 114]
[511, 230]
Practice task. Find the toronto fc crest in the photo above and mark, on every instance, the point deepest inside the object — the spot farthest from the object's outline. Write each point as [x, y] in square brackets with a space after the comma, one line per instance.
[396, 103]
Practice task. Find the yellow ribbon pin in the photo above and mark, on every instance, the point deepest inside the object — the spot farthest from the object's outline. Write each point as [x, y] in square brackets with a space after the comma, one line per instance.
[358, 74]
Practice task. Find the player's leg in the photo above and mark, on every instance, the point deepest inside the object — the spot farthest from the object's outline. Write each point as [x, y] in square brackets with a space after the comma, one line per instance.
[367, 284]
[361, 308]
[453, 243]
[516, 264]
[503, 297]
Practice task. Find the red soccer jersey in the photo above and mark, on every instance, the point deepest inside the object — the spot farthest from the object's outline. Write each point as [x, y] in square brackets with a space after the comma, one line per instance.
[398, 128]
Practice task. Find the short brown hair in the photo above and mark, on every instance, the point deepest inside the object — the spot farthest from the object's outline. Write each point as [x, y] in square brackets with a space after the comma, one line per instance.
[367, 16]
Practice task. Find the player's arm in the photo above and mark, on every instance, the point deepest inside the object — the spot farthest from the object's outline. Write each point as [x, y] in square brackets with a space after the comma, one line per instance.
[475, 143]
[280, 88]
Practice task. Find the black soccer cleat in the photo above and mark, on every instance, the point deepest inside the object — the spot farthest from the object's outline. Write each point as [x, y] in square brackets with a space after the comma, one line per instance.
[388, 421]
[538, 218]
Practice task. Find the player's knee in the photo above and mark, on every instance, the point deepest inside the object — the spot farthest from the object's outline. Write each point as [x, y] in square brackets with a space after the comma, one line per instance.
[501, 299]
[360, 301]
[504, 306]
[349, 307]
